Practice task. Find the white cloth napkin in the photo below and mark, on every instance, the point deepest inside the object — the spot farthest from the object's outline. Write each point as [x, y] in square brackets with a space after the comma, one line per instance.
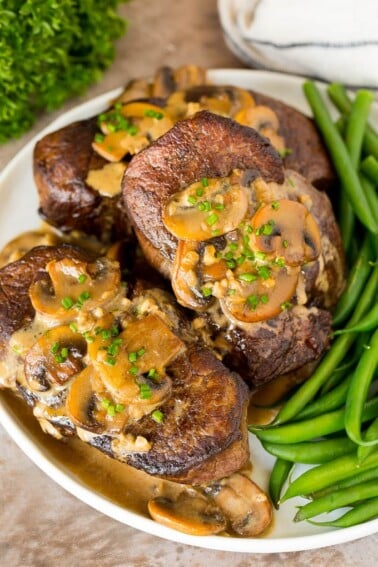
[333, 40]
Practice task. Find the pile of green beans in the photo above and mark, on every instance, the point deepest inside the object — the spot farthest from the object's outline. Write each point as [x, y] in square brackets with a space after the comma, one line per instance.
[331, 421]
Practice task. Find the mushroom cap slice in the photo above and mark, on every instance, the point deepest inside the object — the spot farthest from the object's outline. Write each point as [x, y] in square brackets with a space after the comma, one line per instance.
[243, 503]
[193, 515]
[226, 207]
[73, 284]
[287, 229]
[261, 299]
[80, 402]
[55, 358]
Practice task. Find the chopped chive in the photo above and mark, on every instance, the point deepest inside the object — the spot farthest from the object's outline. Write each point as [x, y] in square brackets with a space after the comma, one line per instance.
[105, 333]
[212, 219]
[157, 416]
[111, 360]
[264, 272]
[99, 138]
[132, 130]
[82, 278]
[231, 264]
[247, 277]
[64, 352]
[132, 356]
[111, 410]
[205, 182]
[145, 391]
[291, 182]
[199, 192]
[280, 262]
[231, 291]
[152, 373]
[260, 255]
[105, 403]
[264, 299]
[267, 228]
[219, 206]
[111, 127]
[201, 206]
[118, 106]
[285, 243]
[119, 408]
[207, 291]
[141, 352]
[249, 229]
[285, 152]
[241, 259]
[192, 200]
[229, 256]
[275, 205]
[134, 370]
[215, 232]
[55, 348]
[252, 301]
[286, 305]
[233, 246]
[113, 349]
[73, 327]
[67, 303]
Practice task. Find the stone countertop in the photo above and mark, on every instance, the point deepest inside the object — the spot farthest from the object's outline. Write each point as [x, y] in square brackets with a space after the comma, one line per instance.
[41, 524]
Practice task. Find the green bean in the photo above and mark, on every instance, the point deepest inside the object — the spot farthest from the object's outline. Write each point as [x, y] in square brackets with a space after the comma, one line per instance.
[371, 433]
[370, 168]
[372, 198]
[331, 360]
[337, 499]
[358, 391]
[358, 478]
[340, 157]
[331, 400]
[328, 474]
[367, 323]
[318, 426]
[278, 477]
[340, 99]
[311, 453]
[347, 221]
[355, 284]
[356, 124]
[338, 375]
[368, 510]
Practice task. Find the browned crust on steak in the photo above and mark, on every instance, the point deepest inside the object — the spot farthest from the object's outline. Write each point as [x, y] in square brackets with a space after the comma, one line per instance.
[16, 310]
[308, 154]
[206, 145]
[278, 346]
[62, 161]
[203, 435]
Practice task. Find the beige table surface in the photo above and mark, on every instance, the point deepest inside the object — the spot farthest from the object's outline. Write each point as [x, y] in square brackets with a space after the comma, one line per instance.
[41, 525]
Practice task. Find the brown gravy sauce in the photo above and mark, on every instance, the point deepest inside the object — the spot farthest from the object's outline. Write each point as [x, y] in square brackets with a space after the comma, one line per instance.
[117, 481]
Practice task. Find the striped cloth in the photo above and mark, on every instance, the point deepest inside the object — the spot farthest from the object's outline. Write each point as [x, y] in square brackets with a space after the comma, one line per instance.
[333, 40]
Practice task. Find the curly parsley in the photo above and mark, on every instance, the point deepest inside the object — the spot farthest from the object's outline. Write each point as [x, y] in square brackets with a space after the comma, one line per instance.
[50, 51]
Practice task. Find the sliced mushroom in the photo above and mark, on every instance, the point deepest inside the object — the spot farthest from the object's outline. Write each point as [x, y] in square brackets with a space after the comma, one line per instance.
[130, 128]
[244, 504]
[20, 245]
[81, 402]
[261, 299]
[264, 120]
[193, 515]
[185, 281]
[199, 213]
[132, 364]
[287, 229]
[135, 89]
[233, 99]
[74, 285]
[55, 358]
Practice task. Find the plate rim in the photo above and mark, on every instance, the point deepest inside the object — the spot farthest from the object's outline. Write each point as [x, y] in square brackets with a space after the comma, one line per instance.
[35, 451]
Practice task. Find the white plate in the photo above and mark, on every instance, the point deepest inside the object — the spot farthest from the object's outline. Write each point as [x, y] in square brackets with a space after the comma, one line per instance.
[19, 213]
